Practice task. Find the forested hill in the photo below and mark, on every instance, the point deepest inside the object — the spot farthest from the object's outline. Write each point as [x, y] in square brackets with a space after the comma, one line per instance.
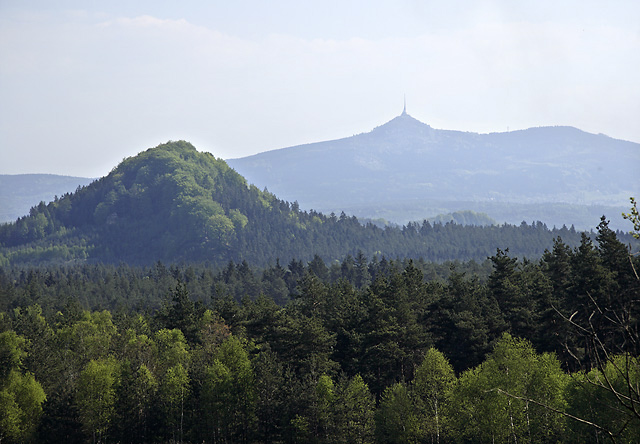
[406, 170]
[173, 203]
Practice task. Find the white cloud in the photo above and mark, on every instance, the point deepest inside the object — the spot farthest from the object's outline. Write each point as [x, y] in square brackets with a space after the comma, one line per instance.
[146, 21]
[106, 84]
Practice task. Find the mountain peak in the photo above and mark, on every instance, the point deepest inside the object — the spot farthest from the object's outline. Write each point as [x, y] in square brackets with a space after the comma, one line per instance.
[402, 123]
[406, 160]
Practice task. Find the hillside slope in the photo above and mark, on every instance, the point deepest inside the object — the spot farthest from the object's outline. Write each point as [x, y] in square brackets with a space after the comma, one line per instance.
[169, 202]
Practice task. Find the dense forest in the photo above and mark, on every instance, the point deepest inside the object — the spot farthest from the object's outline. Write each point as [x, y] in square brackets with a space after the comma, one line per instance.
[174, 204]
[171, 302]
[367, 349]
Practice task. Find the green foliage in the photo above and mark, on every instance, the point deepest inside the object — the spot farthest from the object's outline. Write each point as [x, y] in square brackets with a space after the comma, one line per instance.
[608, 399]
[89, 338]
[96, 396]
[356, 421]
[21, 399]
[11, 353]
[355, 350]
[228, 393]
[492, 400]
[170, 193]
[396, 419]
[432, 387]
[173, 350]
[173, 392]
[634, 217]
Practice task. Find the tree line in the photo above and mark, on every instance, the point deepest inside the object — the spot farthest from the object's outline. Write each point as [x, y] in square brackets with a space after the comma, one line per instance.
[366, 350]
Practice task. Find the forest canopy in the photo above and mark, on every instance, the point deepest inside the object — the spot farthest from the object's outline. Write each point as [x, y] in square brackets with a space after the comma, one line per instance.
[368, 350]
[171, 302]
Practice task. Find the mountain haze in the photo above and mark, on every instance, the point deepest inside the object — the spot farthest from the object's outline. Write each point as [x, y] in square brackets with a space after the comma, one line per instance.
[20, 192]
[408, 163]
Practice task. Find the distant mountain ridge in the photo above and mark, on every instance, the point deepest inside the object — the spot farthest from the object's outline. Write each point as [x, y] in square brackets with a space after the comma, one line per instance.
[406, 161]
[20, 192]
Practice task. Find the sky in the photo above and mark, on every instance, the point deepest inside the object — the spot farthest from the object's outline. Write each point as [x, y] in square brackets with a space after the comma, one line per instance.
[85, 84]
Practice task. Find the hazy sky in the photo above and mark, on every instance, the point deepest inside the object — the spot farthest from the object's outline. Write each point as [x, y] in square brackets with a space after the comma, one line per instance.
[84, 84]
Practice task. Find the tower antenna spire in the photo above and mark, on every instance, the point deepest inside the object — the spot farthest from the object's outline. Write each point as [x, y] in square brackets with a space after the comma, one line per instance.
[404, 109]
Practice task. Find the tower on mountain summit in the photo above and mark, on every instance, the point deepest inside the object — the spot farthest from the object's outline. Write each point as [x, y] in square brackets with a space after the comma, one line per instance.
[404, 109]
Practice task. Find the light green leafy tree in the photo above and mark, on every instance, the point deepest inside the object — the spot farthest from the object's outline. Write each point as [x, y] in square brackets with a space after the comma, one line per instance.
[606, 402]
[12, 352]
[215, 399]
[139, 350]
[87, 339]
[634, 217]
[432, 385]
[96, 398]
[174, 379]
[21, 396]
[396, 418]
[356, 408]
[515, 395]
[228, 392]
[172, 349]
[21, 399]
[325, 398]
[173, 392]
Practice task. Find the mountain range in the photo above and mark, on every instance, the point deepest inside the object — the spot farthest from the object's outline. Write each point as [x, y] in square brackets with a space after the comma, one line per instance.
[406, 170]
[175, 204]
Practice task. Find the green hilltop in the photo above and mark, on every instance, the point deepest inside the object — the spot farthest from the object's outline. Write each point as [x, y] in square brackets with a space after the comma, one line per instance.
[170, 203]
